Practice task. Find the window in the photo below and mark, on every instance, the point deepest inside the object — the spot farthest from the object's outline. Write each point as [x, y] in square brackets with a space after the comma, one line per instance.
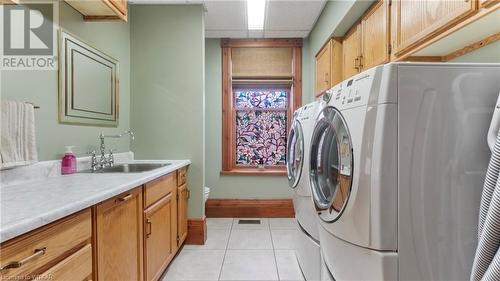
[261, 89]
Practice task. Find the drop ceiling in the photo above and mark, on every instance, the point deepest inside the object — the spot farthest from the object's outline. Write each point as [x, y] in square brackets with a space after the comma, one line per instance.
[228, 18]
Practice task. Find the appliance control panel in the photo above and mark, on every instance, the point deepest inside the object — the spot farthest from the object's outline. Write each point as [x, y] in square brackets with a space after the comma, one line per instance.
[352, 92]
[309, 111]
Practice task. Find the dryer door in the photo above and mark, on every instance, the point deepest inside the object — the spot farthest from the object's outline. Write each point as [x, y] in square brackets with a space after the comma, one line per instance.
[331, 163]
[295, 154]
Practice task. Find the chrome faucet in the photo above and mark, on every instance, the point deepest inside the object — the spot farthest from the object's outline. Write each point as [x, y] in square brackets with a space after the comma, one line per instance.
[103, 160]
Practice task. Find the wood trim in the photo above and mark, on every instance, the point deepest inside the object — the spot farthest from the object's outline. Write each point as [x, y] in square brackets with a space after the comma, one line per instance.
[425, 58]
[255, 172]
[102, 18]
[297, 80]
[197, 231]
[226, 108]
[249, 208]
[261, 43]
[472, 47]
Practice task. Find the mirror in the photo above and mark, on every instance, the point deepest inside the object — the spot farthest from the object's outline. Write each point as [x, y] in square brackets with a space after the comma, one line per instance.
[88, 90]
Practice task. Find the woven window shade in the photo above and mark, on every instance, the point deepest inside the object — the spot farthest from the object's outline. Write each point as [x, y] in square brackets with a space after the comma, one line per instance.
[261, 62]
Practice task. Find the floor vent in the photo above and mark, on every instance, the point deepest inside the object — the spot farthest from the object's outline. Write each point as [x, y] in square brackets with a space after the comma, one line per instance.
[248, 221]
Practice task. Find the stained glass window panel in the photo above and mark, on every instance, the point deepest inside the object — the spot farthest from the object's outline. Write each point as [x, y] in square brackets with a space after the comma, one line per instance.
[261, 137]
[261, 98]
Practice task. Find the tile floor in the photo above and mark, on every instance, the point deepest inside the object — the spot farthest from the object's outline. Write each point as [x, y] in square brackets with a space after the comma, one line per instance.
[236, 251]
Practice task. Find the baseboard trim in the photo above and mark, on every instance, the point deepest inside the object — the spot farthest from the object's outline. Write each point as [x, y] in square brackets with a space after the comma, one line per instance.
[197, 231]
[249, 208]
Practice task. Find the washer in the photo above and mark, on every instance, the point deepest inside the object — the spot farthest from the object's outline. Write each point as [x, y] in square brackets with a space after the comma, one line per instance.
[307, 244]
[398, 158]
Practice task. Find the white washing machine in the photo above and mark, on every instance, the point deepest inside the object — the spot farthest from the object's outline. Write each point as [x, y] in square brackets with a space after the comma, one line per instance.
[398, 159]
[307, 244]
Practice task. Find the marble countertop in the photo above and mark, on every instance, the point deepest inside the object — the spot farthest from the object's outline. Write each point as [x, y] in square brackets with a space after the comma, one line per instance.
[28, 205]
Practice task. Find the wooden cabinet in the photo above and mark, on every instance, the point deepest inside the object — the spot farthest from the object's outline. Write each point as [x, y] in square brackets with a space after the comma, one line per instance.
[182, 203]
[101, 9]
[323, 69]
[351, 52]
[328, 66]
[418, 21]
[119, 239]
[160, 236]
[57, 249]
[132, 236]
[375, 36]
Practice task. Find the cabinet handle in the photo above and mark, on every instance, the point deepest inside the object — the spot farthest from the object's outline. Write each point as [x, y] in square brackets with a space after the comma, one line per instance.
[17, 264]
[360, 62]
[356, 63]
[124, 198]
[149, 228]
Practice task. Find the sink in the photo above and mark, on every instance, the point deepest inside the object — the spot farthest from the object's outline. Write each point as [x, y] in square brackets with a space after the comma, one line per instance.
[130, 168]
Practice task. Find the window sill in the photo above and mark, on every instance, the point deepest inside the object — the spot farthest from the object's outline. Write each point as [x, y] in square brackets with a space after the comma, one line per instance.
[245, 172]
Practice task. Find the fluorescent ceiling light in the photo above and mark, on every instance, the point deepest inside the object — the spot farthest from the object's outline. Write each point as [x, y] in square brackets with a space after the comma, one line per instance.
[256, 10]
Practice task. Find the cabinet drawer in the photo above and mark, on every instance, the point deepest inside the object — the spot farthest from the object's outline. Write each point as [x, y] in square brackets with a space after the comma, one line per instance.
[158, 188]
[181, 176]
[77, 267]
[57, 239]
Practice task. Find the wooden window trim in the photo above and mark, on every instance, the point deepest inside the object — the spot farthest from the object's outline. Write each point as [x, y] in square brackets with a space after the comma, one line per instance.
[229, 166]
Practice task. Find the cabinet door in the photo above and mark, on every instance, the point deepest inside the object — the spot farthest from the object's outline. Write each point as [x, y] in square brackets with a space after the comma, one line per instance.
[118, 237]
[351, 50]
[336, 62]
[375, 35]
[160, 236]
[418, 20]
[182, 203]
[323, 69]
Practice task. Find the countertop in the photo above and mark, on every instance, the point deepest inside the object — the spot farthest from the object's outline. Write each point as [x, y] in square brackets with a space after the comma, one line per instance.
[30, 205]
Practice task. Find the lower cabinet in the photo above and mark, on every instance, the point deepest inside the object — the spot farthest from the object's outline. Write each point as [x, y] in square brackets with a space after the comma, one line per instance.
[160, 236]
[132, 236]
[119, 237]
[182, 203]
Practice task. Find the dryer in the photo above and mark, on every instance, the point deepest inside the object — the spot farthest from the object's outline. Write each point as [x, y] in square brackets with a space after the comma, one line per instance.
[398, 158]
[307, 238]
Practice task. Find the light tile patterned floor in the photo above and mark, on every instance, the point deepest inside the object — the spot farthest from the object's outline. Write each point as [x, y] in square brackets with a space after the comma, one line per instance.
[240, 252]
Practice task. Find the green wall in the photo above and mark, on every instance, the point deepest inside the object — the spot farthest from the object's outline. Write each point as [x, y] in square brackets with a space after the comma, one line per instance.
[229, 186]
[167, 82]
[41, 88]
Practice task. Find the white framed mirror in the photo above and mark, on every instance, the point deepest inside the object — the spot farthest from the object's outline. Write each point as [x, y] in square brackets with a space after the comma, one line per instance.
[88, 84]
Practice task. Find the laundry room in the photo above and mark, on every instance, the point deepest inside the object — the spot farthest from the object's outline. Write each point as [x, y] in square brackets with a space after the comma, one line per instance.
[207, 140]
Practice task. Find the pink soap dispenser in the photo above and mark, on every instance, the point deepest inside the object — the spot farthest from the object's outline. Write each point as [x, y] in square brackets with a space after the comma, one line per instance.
[68, 163]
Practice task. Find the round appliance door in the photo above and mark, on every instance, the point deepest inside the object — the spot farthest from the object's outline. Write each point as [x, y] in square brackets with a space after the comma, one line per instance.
[331, 164]
[295, 154]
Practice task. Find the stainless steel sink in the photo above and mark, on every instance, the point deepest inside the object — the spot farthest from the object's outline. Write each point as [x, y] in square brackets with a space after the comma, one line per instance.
[129, 168]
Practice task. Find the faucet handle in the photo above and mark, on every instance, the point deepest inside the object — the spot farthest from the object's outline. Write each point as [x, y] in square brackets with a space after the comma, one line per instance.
[111, 158]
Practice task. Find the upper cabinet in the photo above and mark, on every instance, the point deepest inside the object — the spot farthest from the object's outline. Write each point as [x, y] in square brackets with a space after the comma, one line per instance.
[101, 9]
[328, 66]
[410, 30]
[351, 55]
[367, 43]
[375, 35]
[418, 21]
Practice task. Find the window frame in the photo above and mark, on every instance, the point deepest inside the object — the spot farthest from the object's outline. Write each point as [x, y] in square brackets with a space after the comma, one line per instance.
[229, 165]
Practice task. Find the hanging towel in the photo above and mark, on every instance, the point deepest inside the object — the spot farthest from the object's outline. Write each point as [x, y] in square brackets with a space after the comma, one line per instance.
[17, 134]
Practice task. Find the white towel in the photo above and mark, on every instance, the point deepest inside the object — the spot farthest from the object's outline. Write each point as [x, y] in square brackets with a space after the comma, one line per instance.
[17, 134]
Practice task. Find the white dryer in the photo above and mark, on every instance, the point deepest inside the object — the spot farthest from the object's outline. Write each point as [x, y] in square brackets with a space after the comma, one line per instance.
[307, 244]
[398, 159]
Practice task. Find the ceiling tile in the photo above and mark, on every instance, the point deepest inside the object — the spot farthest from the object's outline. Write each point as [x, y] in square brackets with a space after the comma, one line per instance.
[225, 15]
[293, 15]
[226, 33]
[286, 33]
